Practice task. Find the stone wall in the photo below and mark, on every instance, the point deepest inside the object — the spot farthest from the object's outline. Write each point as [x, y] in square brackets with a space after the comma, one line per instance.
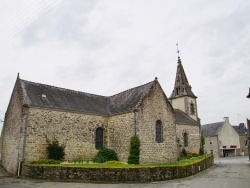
[75, 130]
[212, 146]
[156, 107]
[121, 128]
[115, 174]
[194, 139]
[13, 133]
[243, 148]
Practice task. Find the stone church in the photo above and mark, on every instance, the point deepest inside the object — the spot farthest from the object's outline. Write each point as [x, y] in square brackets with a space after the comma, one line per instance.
[86, 122]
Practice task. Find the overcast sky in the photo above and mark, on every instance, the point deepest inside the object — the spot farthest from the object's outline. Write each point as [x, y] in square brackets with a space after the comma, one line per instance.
[108, 46]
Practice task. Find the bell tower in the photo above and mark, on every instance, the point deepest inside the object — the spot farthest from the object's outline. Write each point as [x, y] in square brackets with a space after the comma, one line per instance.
[182, 97]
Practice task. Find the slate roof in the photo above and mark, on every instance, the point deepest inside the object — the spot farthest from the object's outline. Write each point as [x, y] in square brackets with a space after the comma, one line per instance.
[240, 130]
[212, 129]
[127, 100]
[41, 95]
[183, 119]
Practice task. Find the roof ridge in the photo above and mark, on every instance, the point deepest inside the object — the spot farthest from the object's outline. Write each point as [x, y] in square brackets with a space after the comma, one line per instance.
[63, 89]
[139, 102]
[131, 89]
[213, 123]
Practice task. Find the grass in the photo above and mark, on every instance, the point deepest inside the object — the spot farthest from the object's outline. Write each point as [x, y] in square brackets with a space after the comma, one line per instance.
[118, 164]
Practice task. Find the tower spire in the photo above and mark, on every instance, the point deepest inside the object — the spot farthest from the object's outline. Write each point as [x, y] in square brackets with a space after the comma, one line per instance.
[181, 87]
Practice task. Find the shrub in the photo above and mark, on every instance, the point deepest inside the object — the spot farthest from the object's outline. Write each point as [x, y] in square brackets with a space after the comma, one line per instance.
[201, 152]
[184, 152]
[195, 155]
[134, 153]
[55, 150]
[104, 155]
[189, 155]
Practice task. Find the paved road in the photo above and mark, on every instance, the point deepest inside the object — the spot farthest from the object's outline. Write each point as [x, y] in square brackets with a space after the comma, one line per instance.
[230, 172]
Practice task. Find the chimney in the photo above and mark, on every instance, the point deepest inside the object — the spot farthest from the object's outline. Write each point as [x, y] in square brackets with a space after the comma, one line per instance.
[241, 125]
[226, 119]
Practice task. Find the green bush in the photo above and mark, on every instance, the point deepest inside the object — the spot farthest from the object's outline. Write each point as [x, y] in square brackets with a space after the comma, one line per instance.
[201, 152]
[189, 155]
[55, 150]
[184, 152]
[195, 155]
[104, 155]
[134, 153]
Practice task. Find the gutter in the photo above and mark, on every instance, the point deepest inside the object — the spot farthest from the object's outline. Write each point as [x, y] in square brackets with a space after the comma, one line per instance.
[19, 170]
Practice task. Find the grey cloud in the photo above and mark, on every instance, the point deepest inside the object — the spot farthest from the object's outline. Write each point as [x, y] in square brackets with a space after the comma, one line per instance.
[63, 24]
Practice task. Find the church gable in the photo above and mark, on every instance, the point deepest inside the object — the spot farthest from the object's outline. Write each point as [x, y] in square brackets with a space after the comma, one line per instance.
[155, 126]
[13, 129]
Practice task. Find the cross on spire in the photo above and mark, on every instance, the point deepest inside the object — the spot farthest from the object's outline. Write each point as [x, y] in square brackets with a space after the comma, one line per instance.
[178, 51]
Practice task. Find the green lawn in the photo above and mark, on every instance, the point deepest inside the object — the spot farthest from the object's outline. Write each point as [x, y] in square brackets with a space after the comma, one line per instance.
[117, 164]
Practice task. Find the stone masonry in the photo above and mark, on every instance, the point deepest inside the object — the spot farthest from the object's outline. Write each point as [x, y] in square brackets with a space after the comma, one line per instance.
[193, 137]
[155, 108]
[27, 127]
[37, 112]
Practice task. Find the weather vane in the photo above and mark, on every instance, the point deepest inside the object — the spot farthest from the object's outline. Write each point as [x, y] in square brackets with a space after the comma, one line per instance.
[178, 51]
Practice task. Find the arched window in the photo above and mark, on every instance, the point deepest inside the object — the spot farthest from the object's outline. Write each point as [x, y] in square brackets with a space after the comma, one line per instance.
[99, 138]
[192, 110]
[158, 131]
[185, 139]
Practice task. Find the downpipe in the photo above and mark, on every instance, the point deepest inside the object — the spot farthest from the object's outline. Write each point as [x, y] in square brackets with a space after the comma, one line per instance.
[19, 170]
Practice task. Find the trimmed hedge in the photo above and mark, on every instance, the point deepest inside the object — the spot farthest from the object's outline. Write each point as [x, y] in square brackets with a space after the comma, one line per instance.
[134, 152]
[105, 154]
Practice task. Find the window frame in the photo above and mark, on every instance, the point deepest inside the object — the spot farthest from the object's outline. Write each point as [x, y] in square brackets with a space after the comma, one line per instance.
[185, 139]
[158, 131]
[99, 138]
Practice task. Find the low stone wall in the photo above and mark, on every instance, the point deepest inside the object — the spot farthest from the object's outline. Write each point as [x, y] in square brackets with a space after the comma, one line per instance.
[115, 174]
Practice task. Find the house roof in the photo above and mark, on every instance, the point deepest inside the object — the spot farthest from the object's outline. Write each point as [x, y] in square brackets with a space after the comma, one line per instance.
[241, 130]
[41, 95]
[183, 119]
[212, 129]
